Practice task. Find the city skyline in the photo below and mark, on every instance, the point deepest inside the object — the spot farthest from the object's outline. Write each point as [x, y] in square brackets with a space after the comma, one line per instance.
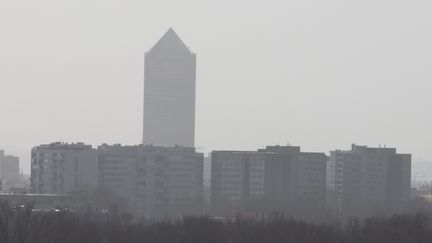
[223, 121]
[312, 79]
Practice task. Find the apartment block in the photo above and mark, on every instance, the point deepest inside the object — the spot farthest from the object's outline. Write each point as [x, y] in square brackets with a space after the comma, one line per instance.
[294, 181]
[9, 170]
[62, 168]
[237, 178]
[366, 181]
[277, 178]
[154, 182]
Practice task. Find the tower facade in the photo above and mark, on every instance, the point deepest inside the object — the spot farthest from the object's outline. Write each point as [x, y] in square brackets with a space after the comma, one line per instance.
[169, 93]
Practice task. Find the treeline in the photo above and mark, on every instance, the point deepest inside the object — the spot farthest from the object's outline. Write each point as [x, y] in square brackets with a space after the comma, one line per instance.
[24, 225]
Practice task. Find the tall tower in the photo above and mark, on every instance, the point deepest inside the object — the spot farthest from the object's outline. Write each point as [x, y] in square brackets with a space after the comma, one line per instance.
[169, 93]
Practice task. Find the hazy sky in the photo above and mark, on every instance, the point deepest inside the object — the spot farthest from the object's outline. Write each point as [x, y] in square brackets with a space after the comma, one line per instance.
[319, 74]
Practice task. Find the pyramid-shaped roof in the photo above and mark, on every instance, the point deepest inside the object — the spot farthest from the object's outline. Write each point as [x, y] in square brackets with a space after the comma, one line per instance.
[170, 41]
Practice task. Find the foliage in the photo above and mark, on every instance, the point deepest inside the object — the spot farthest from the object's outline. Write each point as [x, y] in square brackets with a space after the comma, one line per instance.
[21, 224]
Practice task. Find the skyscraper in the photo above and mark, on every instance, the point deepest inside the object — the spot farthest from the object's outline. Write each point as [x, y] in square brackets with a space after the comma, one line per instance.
[169, 93]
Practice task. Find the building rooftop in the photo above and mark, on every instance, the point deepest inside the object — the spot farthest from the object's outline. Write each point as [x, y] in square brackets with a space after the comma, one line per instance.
[171, 42]
[366, 149]
[64, 146]
[144, 147]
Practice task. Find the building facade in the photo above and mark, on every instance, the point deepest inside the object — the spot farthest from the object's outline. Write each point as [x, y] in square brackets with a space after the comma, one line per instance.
[295, 181]
[277, 178]
[366, 181]
[153, 181]
[9, 170]
[61, 168]
[237, 179]
[169, 93]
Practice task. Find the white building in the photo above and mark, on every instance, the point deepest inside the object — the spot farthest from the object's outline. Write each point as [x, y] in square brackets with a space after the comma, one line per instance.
[366, 180]
[169, 93]
[155, 182]
[61, 168]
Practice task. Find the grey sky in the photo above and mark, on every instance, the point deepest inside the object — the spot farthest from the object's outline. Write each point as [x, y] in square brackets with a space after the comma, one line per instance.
[319, 74]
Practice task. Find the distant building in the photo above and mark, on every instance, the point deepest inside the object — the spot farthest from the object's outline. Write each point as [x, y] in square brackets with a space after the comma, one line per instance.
[169, 93]
[9, 170]
[120, 173]
[237, 178]
[277, 178]
[152, 181]
[61, 168]
[295, 181]
[366, 181]
[207, 180]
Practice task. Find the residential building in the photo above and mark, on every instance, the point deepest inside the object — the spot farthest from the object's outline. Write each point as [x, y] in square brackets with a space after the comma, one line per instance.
[295, 181]
[237, 178]
[169, 93]
[207, 180]
[153, 181]
[365, 181]
[9, 170]
[277, 178]
[62, 168]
